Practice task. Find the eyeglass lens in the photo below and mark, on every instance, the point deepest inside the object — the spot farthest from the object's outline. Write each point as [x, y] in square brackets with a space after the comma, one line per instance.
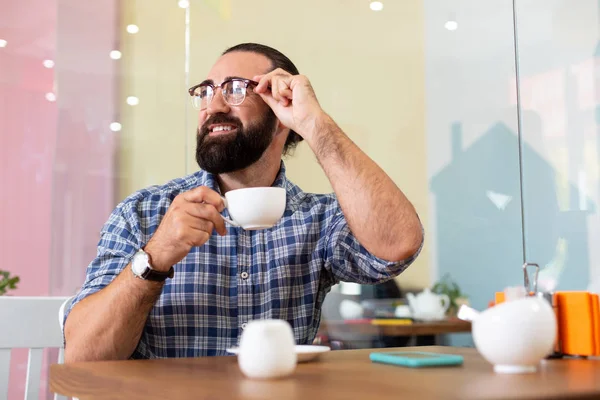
[234, 93]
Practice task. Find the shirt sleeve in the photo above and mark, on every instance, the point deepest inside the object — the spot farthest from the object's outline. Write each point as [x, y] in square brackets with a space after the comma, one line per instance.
[348, 261]
[118, 243]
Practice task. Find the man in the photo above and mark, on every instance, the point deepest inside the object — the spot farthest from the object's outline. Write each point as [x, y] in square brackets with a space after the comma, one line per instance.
[171, 280]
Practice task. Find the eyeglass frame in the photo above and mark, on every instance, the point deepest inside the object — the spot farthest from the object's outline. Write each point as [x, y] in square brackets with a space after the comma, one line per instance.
[214, 87]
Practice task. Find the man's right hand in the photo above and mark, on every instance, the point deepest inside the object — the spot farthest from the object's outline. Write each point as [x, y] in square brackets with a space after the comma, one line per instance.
[189, 222]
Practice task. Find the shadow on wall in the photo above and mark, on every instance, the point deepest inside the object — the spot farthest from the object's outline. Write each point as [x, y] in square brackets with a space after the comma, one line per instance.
[478, 208]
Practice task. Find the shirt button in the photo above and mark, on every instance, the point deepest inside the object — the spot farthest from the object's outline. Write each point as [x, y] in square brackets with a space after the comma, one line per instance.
[244, 325]
[244, 275]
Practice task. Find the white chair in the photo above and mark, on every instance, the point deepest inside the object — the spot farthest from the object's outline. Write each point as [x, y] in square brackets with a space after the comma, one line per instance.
[61, 317]
[29, 322]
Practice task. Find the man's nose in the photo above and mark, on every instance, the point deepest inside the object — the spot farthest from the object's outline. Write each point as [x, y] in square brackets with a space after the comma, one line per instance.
[218, 104]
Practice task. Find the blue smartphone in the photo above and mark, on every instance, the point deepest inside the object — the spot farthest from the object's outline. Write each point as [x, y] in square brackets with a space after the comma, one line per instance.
[416, 359]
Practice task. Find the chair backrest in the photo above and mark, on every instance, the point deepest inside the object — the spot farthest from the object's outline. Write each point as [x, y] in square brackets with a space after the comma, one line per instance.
[29, 322]
[61, 314]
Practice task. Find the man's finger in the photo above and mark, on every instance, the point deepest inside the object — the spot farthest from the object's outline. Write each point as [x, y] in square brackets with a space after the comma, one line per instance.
[287, 94]
[276, 88]
[263, 84]
[265, 81]
[199, 236]
[207, 213]
[284, 88]
[257, 78]
[203, 194]
[198, 224]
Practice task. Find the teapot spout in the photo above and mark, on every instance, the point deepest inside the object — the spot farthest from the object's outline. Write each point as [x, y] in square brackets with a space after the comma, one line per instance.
[467, 313]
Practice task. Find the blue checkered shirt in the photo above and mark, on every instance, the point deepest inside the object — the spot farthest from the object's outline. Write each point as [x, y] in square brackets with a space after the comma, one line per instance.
[283, 272]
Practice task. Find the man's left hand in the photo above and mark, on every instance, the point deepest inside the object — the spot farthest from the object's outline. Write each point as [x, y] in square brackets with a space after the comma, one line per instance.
[292, 98]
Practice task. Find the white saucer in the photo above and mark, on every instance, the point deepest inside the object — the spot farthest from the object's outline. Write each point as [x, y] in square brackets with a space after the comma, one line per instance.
[304, 352]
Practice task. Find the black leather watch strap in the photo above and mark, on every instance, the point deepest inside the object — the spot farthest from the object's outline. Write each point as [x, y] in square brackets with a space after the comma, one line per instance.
[158, 276]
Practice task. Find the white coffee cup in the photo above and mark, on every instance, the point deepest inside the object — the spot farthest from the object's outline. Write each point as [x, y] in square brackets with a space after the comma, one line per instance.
[267, 349]
[255, 208]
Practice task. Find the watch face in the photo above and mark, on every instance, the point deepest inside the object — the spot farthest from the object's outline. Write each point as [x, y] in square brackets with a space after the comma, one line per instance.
[139, 263]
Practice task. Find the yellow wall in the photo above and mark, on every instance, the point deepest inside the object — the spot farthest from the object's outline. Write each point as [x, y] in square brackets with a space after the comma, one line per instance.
[367, 69]
[153, 137]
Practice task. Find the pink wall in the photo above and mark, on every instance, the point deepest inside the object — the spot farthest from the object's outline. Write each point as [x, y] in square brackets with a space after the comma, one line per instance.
[27, 137]
[56, 158]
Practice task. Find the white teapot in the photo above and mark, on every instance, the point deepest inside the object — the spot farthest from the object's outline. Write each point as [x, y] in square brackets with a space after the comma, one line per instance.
[428, 306]
[514, 336]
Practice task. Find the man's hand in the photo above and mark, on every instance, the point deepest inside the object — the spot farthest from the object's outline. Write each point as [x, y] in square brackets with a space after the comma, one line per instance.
[189, 222]
[292, 98]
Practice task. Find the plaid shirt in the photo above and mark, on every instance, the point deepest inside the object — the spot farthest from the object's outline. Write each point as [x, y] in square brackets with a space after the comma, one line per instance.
[283, 272]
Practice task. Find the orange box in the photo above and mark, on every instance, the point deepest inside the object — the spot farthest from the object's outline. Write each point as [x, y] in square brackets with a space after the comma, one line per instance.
[499, 297]
[596, 309]
[577, 322]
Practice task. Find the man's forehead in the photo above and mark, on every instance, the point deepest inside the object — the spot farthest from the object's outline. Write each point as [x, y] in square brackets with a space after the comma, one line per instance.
[242, 64]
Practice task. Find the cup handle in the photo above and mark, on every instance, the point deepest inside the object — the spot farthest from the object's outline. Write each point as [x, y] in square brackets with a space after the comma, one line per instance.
[227, 219]
[231, 221]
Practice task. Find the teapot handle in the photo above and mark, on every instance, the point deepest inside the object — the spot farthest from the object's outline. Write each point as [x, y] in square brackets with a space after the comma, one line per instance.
[446, 301]
[527, 279]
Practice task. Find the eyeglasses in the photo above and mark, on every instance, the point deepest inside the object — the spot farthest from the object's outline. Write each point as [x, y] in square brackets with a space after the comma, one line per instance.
[233, 91]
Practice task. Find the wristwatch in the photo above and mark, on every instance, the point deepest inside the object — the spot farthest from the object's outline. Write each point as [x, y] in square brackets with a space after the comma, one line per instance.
[141, 265]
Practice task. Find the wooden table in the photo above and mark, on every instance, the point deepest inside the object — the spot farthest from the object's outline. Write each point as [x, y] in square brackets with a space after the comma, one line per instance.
[414, 329]
[347, 375]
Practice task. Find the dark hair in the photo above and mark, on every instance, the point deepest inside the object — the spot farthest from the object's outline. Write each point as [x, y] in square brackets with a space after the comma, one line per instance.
[278, 60]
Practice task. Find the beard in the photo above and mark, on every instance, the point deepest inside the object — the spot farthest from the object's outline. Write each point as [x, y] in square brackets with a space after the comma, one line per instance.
[233, 152]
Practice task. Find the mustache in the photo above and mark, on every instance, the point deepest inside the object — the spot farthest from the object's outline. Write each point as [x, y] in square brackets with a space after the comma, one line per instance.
[218, 119]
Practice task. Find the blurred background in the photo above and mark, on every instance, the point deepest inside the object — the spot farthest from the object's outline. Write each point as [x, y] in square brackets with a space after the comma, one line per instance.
[485, 113]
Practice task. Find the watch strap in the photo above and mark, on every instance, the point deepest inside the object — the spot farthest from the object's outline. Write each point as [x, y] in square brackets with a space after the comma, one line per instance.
[157, 276]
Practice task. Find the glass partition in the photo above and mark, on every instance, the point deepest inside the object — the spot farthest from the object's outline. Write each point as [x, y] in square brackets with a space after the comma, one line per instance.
[559, 63]
[473, 147]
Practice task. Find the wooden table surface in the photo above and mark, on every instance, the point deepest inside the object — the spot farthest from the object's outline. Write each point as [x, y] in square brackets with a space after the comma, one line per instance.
[346, 374]
[415, 329]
